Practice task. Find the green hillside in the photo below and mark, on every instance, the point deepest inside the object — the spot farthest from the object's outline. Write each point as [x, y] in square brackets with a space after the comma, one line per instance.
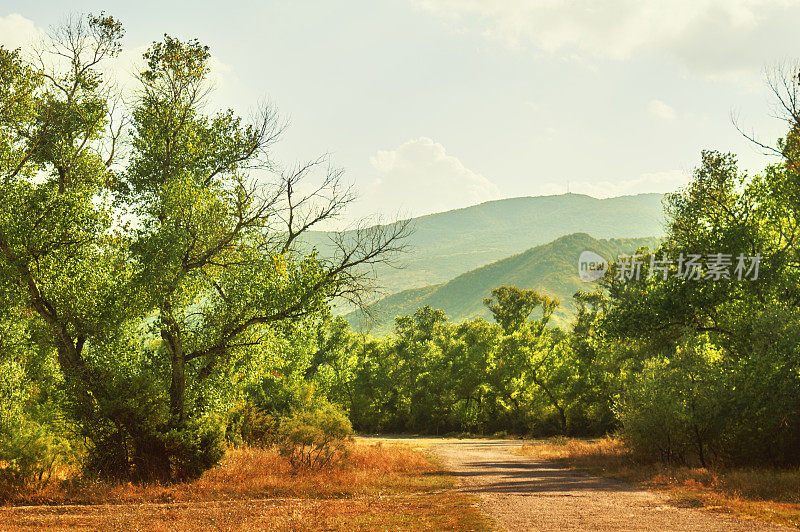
[447, 244]
[551, 269]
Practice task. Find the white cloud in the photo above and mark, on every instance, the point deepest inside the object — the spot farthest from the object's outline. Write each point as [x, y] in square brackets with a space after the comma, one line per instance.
[711, 38]
[661, 110]
[419, 177]
[667, 181]
[17, 31]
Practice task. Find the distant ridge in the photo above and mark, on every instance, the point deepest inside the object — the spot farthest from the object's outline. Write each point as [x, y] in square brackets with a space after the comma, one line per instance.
[550, 269]
[447, 244]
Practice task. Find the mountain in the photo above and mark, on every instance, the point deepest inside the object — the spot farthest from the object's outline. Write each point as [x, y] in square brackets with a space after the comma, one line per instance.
[447, 244]
[550, 269]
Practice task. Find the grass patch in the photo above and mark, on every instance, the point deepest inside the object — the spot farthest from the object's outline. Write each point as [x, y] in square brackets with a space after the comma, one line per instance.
[771, 495]
[379, 486]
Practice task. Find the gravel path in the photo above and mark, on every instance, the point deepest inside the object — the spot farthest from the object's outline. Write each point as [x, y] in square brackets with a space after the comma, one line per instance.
[523, 493]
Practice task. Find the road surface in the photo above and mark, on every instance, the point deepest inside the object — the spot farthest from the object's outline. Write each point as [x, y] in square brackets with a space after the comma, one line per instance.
[524, 494]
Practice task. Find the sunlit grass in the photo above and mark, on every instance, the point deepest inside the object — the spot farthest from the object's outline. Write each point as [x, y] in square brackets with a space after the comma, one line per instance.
[377, 486]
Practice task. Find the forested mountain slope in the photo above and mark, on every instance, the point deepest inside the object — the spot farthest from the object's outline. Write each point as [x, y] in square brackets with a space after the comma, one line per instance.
[550, 269]
[447, 244]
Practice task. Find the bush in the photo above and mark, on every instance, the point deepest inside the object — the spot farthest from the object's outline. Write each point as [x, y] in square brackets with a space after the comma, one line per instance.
[194, 448]
[704, 407]
[674, 411]
[315, 438]
[256, 421]
[651, 416]
[252, 426]
[30, 448]
[28, 454]
[108, 457]
[177, 453]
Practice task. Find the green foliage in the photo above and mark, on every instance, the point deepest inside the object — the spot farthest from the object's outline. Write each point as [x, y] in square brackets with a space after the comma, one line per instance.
[675, 410]
[511, 306]
[29, 453]
[162, 283]
[193, 447]
[549, 269]
[164, 453]
[32, 436]
[437, 377]
[315, 437]
[252, 426]
[743, 406]
[265, 403]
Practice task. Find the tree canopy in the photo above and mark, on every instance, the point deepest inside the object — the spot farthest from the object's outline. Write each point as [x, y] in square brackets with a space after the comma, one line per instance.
[157, 276]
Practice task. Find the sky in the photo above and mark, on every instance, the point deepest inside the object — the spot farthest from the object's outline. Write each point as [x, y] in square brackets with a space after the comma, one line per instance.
[431, 105]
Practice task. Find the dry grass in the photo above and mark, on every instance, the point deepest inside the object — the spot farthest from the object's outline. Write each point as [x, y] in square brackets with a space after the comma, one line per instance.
[438, 511]
[378, 487]
[768, 494]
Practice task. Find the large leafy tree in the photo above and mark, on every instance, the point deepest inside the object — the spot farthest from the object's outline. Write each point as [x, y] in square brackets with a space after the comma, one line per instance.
[746, 322]
[60, 260]
[157, 278]
[529, 352]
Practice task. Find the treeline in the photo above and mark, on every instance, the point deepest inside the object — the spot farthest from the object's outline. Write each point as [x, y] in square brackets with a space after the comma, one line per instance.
[432, 376]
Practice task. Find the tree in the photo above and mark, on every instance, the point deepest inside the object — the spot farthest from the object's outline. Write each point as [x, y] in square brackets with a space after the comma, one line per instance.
[598, 363]
[511, 306]
[148, 318]
[529, 350]
[60, 258]
[751, 320]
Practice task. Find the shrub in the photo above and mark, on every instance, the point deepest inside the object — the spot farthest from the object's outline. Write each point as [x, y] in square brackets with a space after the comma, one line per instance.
[256, 421]
[674, 411]
[30, 448]
[652, 421]
[108, 457]
[315, 438]
[28, 454]
[252, 426]
[193, 448]
[172, 453]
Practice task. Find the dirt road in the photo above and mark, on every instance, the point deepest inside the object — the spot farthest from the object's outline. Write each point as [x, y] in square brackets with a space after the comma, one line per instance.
[522, 493]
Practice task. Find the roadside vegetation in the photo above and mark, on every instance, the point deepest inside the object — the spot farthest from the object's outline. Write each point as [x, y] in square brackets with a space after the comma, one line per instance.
[374, 486]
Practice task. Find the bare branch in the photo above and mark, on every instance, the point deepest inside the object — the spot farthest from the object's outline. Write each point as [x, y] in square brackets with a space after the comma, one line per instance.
[768, 150]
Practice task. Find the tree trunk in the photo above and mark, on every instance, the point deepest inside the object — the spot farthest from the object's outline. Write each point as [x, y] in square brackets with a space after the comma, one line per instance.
[177, 390]
[700, 452]
[151, 460]
[562, 416]
[172, 336]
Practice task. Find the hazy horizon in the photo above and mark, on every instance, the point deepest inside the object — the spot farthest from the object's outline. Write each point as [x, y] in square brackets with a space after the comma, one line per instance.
[523, 197]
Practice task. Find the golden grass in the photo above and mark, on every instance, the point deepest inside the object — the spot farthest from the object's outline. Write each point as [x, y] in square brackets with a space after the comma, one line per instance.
[771, 495]
[432, 512]
[377, 487]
